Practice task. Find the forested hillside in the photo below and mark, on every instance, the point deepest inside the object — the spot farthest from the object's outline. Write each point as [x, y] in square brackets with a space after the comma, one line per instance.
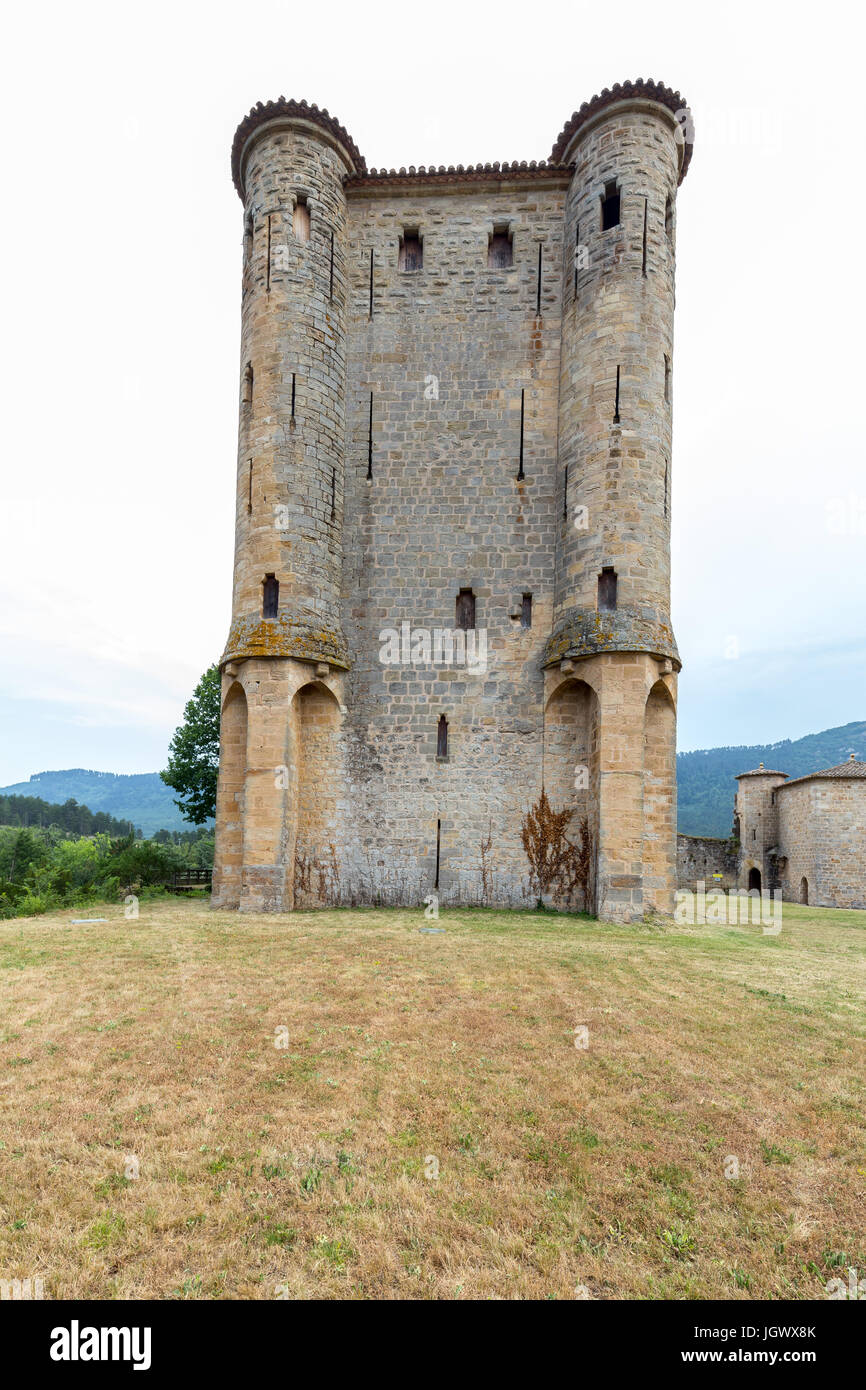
[705, 778]
[141, 797]
[28, 811]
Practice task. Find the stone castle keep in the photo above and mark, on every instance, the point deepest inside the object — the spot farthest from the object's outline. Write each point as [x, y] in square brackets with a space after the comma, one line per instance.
[453, 509]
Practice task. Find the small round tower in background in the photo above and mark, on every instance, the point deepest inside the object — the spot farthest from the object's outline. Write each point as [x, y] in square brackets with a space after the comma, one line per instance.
[757, 822]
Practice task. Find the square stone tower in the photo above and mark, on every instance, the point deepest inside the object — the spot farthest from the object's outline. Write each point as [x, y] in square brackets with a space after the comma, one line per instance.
[452, 564]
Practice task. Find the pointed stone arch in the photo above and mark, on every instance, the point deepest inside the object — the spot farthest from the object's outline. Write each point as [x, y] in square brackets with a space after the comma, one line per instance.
[319, 795]
[660, 800]
[571, 756]
[228, 866]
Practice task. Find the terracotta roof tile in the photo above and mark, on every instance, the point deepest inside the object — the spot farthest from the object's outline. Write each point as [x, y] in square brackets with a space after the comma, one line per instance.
[842, 772]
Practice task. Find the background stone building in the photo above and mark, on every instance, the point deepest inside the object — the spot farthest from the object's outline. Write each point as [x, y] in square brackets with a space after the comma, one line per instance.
[455, 417]
[805, 838]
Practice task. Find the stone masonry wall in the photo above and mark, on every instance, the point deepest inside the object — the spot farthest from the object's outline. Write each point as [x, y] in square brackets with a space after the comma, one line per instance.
[701, 856]
[446, 354]
[822, 833]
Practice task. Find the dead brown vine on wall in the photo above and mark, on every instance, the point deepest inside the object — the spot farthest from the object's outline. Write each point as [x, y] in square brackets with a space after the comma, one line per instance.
[557, 866]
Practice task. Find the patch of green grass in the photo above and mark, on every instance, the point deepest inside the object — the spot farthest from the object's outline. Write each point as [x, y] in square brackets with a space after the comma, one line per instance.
[115, 1182]
[274, 1170]
[678, 1239]
[771, 1153]
[281, 1235]
[583, 1135]
[311, 1179]
[337, 1252]
[190, 1288]
[105, 1232]
[220, 1163]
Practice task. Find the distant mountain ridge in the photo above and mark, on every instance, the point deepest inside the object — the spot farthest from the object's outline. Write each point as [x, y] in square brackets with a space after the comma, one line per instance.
[705, 782]
[705, 778]
[140, 797]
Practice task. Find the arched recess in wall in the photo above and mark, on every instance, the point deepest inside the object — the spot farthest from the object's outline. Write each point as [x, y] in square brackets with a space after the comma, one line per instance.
[318, 795]
[230, 798]
[659, 790]
[571, 765]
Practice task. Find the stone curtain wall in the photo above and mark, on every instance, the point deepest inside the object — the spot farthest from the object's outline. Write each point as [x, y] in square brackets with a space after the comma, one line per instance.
[699, 857]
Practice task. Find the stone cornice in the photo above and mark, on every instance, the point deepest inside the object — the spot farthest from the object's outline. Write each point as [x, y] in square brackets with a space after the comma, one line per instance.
[515, 174]
[587, 632]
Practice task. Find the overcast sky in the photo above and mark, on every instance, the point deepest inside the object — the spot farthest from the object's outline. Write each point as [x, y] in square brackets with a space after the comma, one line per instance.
[121, 245]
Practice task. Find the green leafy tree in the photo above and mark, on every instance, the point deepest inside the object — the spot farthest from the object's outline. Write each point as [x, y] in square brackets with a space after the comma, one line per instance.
[193, 754]
[144, 864]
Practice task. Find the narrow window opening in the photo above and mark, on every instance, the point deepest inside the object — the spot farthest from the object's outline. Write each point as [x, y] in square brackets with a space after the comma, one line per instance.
[667, 380]
[669, 218]
[610, 206]
[438, 846]
[250, 489]
[607, 590]
[371, 282]
[526, 611]
[500, 249]
[565, 496]
[333, 493]
[370, 441]
[270, 596]
[465, 618]
[616, 401]
[667, 466]
[411, 250]
[247, 392]
[442, 737]
[520, 473]
[301, 220]
[293, 395]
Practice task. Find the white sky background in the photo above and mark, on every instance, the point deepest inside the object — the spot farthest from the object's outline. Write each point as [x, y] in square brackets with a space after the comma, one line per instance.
[120, 261]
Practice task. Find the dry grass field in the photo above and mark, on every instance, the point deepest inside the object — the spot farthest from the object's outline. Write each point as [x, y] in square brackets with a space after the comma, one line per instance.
[301, 1163]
